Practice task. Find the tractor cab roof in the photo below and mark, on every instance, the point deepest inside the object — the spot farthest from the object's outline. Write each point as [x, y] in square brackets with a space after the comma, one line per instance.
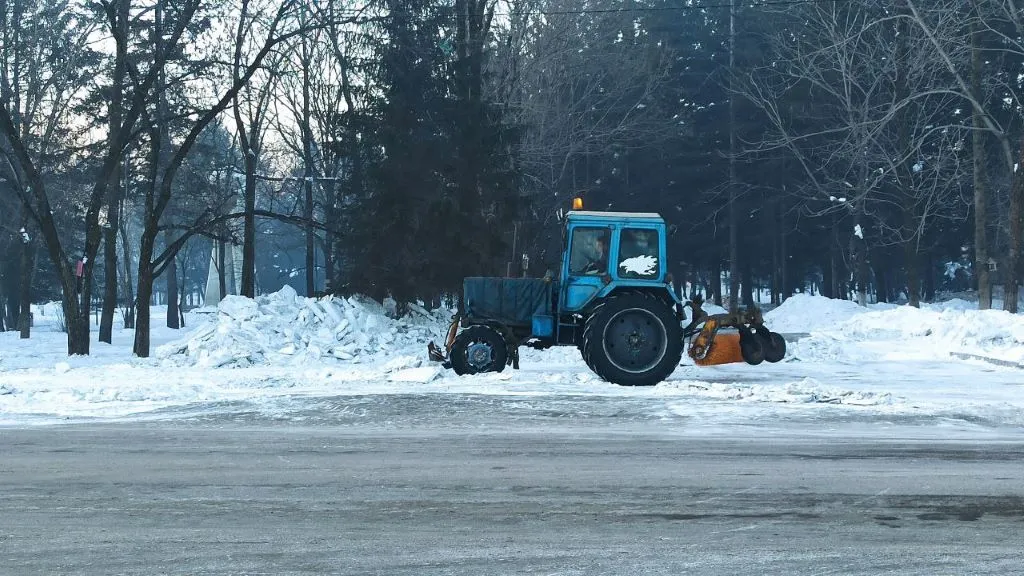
[615, 216]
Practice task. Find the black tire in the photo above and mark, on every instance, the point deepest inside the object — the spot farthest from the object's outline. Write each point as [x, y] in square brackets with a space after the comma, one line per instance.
[586, 359]
[478, 349]
[647, 332]
[774, 345]
[751, 346]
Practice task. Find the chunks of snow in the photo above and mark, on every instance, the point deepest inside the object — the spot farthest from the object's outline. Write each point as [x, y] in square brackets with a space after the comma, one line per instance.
[858, 231]
[284, 328]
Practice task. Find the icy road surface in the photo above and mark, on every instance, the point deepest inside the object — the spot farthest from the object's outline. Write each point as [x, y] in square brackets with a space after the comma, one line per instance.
[471, 499]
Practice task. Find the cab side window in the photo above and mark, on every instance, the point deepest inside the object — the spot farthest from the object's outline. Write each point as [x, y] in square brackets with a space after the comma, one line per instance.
[638, 254]
[589, 253]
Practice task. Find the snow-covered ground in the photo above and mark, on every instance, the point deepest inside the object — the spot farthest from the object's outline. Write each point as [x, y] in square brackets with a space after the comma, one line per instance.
[886, 363]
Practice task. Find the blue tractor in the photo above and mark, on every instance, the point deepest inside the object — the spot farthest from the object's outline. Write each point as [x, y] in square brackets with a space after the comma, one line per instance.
[613, 299]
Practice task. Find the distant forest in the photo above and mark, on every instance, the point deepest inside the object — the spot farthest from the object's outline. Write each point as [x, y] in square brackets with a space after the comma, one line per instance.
[862, 149]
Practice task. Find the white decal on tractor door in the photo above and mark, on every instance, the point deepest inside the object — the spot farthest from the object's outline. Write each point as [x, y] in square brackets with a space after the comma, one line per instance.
[642, 265]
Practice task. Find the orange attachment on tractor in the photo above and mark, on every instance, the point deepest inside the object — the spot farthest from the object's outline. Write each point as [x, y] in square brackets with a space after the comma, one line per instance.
[752, 342]
[724, 350]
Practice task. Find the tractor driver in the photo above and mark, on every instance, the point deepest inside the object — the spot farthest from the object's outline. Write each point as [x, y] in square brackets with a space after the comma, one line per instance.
[599, 260]
[589, 252]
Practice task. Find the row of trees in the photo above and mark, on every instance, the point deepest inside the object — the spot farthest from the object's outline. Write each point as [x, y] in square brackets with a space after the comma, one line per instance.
[392, 147]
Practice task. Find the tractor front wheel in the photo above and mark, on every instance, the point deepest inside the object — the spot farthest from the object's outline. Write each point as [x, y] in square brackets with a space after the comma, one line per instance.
[633, 340]
[478, 349]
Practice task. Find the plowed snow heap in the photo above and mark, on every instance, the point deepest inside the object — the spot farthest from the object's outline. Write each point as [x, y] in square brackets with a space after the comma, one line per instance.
[284, 328]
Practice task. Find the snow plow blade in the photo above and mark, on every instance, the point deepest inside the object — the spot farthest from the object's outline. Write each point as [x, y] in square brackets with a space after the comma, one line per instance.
[435, 353]
[752, 342]
[724, 350]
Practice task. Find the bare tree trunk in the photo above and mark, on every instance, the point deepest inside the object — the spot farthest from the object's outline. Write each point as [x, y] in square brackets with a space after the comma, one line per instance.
[828, 281]
[307, 213]
[928, 280]
[980, 180]
[307, 161]
[859, 249]
[905, 179]
[1013, 268]
[147, 245]
[776, 248]
[28, 272]
[787, 288]
[113, 193]
[328, 257]
[248, 288]
[716, 281]
[171, 274]
[129, 290]
[145, 293]
[222, 278]
[882, 289]
[110, 261]
[183, 283]
[748, 285]
[910, 259]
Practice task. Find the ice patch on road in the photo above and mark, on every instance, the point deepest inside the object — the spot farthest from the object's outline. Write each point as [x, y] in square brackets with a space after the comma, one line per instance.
[420, 375]
[806, 391]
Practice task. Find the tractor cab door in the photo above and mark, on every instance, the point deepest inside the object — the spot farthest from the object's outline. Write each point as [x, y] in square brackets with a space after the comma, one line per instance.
[639, 255]
[585, 267]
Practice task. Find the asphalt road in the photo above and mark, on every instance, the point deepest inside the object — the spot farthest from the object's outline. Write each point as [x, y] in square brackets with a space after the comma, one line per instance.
[230, 498]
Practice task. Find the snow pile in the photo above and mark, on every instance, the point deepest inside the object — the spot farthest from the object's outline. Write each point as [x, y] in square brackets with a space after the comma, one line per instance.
[284, 328]
[992, 332]
[930, 332]
[806, 313]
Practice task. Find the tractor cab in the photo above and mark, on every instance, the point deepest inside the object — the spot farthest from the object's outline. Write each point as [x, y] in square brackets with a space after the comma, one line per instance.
[609, 250]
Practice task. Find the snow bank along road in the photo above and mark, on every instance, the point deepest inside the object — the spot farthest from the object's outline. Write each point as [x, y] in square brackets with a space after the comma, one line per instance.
[224, 498]
[292, 358]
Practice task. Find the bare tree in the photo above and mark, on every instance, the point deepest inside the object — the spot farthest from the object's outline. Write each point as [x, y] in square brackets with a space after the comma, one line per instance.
[1002, 20]
[581, 88]
[862, 105]
[250, 109]
[119, 11]
[46, 46]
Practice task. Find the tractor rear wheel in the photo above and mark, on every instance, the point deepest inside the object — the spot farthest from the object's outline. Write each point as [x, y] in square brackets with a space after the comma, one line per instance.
[633, 340]
[479, 349]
